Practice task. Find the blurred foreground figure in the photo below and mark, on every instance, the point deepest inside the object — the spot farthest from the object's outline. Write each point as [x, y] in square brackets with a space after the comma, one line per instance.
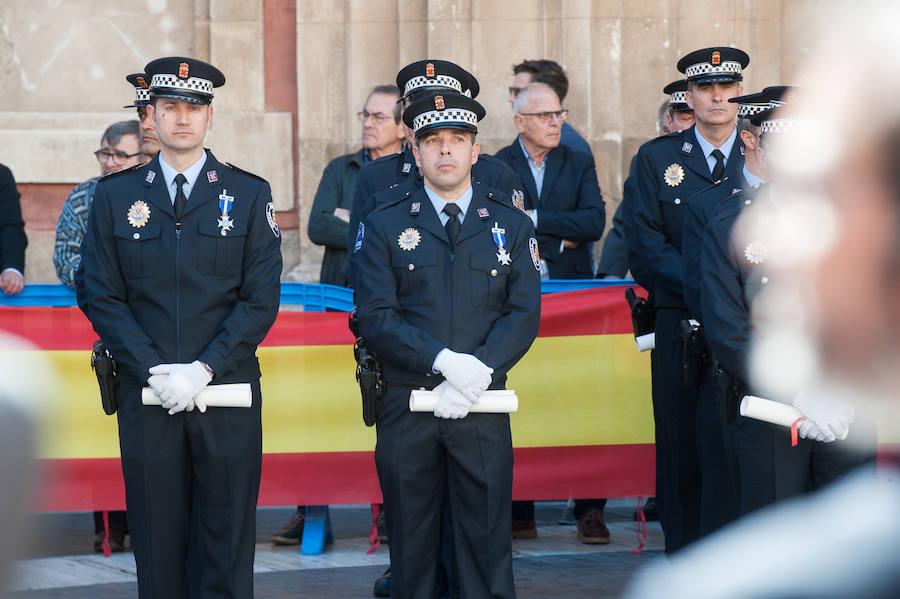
[834, 316]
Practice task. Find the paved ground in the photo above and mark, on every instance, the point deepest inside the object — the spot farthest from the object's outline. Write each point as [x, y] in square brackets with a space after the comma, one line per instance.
[61, 564]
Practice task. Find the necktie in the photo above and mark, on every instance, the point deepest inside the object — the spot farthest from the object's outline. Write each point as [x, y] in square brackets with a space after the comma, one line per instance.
[719, 168]
[453, 224]
[180, 199]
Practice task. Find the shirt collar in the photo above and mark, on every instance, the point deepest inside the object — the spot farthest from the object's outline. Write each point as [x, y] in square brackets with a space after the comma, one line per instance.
[529, 158]
[708, 148]
[462, 201]
[751, 179]
[190, 173]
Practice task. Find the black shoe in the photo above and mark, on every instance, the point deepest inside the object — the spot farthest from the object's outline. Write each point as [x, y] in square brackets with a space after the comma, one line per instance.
[291, 533]
[651, 511]
[382, 586]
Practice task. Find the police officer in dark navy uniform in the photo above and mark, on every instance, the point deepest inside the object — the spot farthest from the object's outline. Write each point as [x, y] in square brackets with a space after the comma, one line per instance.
[450, 301]
[735, 268]
[668, 171]
[719, 494]
[399, 172]
[180, 277]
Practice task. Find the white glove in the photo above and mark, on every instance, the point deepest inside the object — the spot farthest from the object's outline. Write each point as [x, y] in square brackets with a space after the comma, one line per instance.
[467, 373]
[179, 389]
[451, 403]
[828, 417]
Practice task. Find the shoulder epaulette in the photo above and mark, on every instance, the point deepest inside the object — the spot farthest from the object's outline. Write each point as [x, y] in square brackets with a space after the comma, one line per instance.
[130, 169]
[393, 202]
[243, 172]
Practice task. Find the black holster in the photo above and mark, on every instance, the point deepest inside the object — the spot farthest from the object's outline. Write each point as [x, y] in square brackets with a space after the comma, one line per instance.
[643, 313]
[104, 366]
[729, 392]
[368, 374]
[694, 353]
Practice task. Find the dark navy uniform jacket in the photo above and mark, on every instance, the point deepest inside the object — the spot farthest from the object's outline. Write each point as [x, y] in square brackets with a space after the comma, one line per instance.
[701, 207]
[156, 295]
[12, 227]
[412, 303]
[570, 206]
[399, 171]
[734, 271]
[654, 235]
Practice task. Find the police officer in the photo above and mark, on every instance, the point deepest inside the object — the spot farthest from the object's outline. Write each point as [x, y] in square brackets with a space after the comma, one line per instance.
[181, 266]
[450, 301]
[669, 170]
[399, 172]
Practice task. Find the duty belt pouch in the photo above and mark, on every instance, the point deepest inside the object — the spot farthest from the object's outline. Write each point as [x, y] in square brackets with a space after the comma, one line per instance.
[728, 395]
[104, 366]
[694, 352]
[371, 383]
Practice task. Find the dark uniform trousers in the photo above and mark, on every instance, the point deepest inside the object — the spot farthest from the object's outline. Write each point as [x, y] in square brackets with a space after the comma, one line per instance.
[158, 293]
[668, 171]
[417, 297]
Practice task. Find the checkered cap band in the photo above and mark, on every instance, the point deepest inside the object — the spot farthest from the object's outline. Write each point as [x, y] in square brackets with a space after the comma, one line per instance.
[191, 84]
[745, 111]
[417, 83]
[453, 115]
[728, 67]
[142, 94]
[678, 98]
[783, 126]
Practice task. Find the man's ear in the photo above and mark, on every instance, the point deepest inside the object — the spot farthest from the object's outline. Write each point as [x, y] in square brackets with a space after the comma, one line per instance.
[415, 149]
[476, 148]
[750, 141]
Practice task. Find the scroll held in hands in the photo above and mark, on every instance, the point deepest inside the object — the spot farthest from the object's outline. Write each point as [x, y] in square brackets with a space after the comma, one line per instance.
[231, 395]
[502, 401]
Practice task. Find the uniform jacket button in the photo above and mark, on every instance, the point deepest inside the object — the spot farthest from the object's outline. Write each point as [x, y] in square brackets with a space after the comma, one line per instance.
[136, 236]
[677, 201]
[493, 272]
[412, 267]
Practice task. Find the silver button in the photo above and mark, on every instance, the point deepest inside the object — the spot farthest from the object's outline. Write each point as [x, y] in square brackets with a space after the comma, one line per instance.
[764, 280]
[412, 267]
[136, 236]
[677, 200]
[493, 272]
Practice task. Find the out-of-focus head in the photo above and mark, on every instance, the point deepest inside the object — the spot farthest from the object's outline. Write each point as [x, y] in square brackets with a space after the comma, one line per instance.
[382, 129]
[148, 138]
[678, 115]
[539, 116]
[545, 71]
[120, 147]
[836, 241]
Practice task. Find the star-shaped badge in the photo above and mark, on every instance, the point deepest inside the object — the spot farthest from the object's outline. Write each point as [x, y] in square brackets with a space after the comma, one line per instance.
[225, 224]
[503, 256]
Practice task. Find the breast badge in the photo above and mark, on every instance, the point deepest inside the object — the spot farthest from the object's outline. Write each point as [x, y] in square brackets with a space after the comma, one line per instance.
[138, 214]
[409, 239]
[674, 175]
[756, 252]
[535, 254]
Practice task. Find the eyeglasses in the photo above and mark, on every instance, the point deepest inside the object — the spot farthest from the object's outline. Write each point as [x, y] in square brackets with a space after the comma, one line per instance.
[377, 117]
[118, 156]
[546, 117]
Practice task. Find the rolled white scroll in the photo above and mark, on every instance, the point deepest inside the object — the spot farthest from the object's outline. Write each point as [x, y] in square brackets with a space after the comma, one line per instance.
[769, 411]
[231, 395]
[502, 401]
[645, 342]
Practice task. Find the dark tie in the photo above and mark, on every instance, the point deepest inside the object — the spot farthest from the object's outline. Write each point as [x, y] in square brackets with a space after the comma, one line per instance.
[453, 224]
[180, 199]
[719, 168]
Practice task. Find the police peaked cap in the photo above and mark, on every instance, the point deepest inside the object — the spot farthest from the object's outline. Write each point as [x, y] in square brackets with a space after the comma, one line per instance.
[677, 99]
[443, 110]
[777, 119]
[714, 64]
[141, 83]
[182, 78]
[433, 75]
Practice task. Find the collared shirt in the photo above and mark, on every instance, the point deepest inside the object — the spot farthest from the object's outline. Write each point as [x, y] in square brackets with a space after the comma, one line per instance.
[438, 202]
[536, 171]
[190, 173]
[751, 179]
[708, 148]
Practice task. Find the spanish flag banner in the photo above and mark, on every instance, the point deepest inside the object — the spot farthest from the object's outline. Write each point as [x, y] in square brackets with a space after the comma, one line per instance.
[584, 426]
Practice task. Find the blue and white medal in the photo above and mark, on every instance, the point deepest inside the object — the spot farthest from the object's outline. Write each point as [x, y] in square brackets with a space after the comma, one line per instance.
[500, 239]
[225, 202]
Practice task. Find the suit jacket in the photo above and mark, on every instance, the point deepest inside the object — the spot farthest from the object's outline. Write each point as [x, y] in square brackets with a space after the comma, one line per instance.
[415, 296]
[670, 169]
[12, 227]
[570, 206]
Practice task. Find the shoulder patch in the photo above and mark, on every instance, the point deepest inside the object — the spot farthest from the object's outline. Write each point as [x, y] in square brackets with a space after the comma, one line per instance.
[270, 216]
[535, 254]
[130, 169]
[243, 172]
[360, 233]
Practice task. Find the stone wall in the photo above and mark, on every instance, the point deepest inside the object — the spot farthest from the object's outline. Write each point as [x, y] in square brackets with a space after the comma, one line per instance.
[299, 70]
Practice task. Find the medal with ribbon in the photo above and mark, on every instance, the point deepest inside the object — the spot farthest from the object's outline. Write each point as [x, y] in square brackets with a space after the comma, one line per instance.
[500, 239]
[225, 202]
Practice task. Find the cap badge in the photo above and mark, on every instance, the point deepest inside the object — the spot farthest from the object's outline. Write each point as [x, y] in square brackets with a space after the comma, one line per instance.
[138, 214]
[518, 199]
[212, 176]
[439, 103]
[142, 82]
[151, 175]
[674, 175]
[535, 254]
[415, 207]
[756, 252]
[716, 58]
[409, 239]
[429, 70]
[790, 97]
[183, 70]
[483, 213]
